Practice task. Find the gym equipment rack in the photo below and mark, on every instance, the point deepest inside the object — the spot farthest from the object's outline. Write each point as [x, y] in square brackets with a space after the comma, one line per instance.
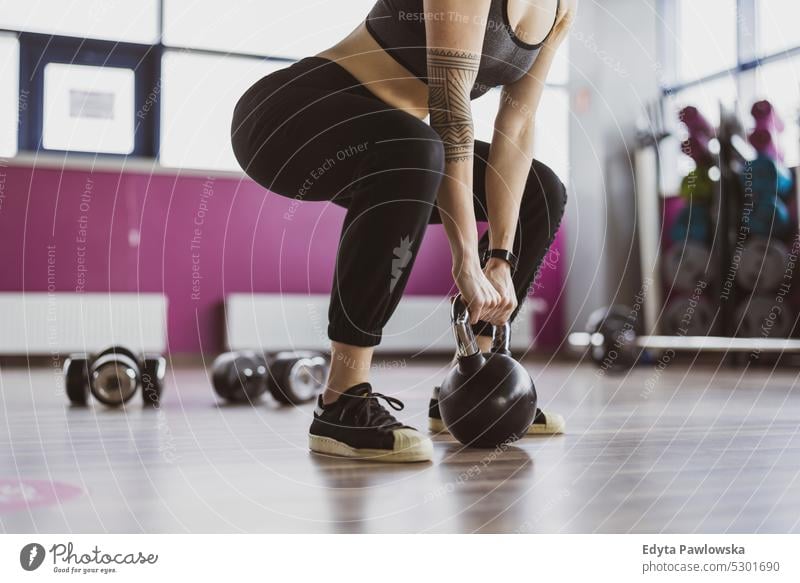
[733, 151]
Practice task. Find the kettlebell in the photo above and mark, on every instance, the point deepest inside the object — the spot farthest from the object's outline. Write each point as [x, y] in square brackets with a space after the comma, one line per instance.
[486, 400]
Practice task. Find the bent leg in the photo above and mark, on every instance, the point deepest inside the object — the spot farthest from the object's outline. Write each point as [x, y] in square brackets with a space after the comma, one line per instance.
[311, 142]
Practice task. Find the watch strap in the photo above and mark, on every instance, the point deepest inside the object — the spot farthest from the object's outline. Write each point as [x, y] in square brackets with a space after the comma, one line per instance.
[503, 254]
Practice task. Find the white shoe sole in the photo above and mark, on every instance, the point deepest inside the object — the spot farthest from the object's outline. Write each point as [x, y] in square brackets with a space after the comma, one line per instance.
[436, 425]
[420, 451]
[554, 426]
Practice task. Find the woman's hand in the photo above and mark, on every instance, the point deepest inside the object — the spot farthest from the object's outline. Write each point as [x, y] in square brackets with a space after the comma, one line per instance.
[478, 292]
[498, 272]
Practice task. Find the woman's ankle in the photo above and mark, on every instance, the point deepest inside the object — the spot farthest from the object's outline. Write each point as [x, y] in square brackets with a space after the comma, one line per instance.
[330, 395]
[350, 366]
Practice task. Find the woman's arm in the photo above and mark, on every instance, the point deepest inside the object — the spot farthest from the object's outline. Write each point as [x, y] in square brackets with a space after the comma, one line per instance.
[455, 30]
[511, 154]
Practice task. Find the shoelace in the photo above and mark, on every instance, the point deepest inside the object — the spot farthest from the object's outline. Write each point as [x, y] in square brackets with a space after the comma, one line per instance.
[368, 412]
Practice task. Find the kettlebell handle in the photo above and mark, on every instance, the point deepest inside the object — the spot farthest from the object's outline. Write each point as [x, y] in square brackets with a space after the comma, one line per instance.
[466, 344]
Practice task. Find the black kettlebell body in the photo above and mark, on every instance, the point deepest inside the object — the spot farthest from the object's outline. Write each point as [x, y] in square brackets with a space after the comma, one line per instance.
[485, 400]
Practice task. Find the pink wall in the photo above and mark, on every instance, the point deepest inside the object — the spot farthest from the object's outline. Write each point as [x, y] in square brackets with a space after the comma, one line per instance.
[195, 239]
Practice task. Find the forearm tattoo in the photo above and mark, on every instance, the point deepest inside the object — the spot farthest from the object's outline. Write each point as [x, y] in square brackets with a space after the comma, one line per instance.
[451, 75]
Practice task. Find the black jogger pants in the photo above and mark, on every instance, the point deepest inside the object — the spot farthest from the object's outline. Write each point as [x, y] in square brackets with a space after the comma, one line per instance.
[312, 132]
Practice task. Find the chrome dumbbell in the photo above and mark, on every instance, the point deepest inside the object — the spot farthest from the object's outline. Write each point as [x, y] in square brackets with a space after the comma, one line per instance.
[113, 376]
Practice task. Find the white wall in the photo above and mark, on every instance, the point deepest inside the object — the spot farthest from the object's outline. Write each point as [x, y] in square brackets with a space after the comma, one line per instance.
[614, 73]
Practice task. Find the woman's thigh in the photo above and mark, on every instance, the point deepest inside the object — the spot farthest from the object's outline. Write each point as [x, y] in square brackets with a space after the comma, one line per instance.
[310, 137]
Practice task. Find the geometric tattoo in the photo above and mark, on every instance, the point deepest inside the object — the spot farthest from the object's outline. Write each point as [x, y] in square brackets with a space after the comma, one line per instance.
[451, 75]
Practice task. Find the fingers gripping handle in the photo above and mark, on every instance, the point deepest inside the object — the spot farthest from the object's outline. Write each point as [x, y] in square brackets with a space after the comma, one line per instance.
[466, 345]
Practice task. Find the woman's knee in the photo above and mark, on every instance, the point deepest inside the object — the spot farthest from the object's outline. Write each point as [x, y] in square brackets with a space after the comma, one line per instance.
[411, 144]
[410, 159]
[547, 189]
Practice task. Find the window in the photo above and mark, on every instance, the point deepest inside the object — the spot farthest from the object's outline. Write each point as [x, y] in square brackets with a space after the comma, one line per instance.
[708, 66]
[780, 83]
[9, 100]
[778, 25]
[277, 29]
[484, 110]
[88, 109]
[87, 95]
[707, 97]
[198, 97]
[559, 70]
[160, 78]
[551, 141]
[706, 37]
[119, 20]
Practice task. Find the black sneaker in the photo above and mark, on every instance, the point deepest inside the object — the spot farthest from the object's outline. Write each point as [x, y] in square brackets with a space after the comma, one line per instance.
[543, 423]
[358, 426]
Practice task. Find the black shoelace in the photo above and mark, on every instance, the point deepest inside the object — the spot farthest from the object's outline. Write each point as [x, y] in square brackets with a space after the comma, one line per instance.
[366, 410]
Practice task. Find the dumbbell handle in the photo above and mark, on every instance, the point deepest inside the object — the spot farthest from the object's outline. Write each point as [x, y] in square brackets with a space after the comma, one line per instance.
[707, 343]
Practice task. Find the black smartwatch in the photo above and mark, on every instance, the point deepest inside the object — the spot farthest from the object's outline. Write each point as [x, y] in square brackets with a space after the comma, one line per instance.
[503, 254]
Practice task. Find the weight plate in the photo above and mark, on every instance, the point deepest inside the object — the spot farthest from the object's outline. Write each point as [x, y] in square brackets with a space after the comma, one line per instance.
[240, 377]
[121, 350]
[296, 380]
[114, 378]
[154, 368]
[76, 379]
[688, 316]
[686, 265]
[761, 265]
[764, 317]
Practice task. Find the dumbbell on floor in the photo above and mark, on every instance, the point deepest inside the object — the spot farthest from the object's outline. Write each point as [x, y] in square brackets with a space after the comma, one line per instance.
[292, 377]
[113, 376]
[614, 342]
[239, 377]
[296, 377]
[613, 332]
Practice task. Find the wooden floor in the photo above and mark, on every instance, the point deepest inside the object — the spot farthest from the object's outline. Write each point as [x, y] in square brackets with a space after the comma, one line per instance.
[701, 450]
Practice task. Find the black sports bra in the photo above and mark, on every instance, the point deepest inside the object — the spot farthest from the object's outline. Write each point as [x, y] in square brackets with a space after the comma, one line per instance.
[399, 27]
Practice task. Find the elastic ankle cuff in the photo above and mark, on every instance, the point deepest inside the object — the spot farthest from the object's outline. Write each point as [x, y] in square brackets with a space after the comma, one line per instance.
[354, 337]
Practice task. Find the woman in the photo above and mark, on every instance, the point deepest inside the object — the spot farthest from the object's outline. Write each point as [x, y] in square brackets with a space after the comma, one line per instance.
[347, 126]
